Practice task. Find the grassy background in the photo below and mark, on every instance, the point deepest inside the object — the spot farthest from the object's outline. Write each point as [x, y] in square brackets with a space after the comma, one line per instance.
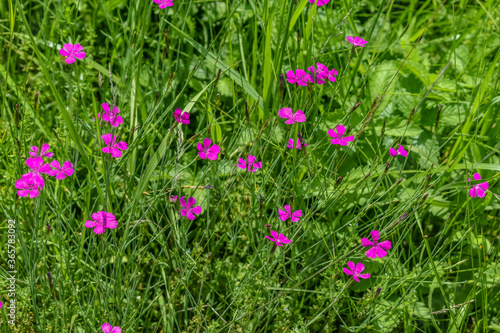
[159, 272]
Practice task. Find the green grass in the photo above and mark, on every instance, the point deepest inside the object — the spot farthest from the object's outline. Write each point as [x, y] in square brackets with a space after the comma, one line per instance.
[428, 78]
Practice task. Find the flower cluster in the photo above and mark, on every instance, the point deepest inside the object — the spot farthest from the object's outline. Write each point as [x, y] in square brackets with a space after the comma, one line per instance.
[377, 249]
[107, 328]
[319, 74]
[32, 183]
[111, 115]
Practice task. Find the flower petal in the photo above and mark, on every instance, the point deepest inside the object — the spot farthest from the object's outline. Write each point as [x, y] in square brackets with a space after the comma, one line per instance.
[365, 242]
[351, 265]
[271, 239]
[386, 245]
[283, 215]
[285, 113]
[207, 142]
[372, 253]
[90, 224]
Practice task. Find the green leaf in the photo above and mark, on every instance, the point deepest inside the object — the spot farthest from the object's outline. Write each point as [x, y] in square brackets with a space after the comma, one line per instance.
[297, 13]
[213, 61]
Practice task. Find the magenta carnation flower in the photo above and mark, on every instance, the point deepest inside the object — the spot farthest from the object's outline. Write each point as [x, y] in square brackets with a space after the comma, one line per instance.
[101, 221]
[337, 136]
[107, 328]
[180, 117]
[44, 152]
[478, 189]
[321, 73]
[114, 148]
[71, 52]
[207, 151]
[111, 115]
[26, 187]
[279, 239]
[37, 168]
[188, 210]
[377, 249]
[401, 151]
[60, 172]
[355, 271]
[357, 41]
[164, 3]
[319, 3]
[252, 166]
[300, 77]
[287, 213]
[298, 144]
[291, 117]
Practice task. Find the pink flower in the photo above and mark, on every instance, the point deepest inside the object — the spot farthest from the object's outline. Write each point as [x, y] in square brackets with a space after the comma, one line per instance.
[337, 136]
[37, 152]
[107, 328]
[111, 115]
[1, 304]
[61, 172]
[164, 3]
[401, 151]
[287, 113]
[101, 221]
[206, 151]
[252, 167]
[319, 3]
[37, 168]
[173, 198]
[377, 249]
[286, 214]
[26, 187]
[478, 189]
[188, 210]
[298, 145]
[180, 117]
[321, 73]
[355, 271]
[279, 239]
[357, 41]
[71, 52]
[113, 147]
[300, 77]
